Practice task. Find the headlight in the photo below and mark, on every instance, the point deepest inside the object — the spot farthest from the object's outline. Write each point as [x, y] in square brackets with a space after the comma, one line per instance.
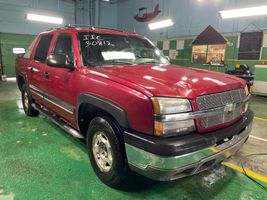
[169, 106]
[164, 105]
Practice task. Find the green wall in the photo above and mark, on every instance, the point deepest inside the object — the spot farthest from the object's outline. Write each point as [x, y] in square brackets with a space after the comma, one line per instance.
[184, 55]
[8, 41]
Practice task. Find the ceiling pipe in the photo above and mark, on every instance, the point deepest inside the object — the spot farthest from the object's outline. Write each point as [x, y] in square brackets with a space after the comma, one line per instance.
[75, 11]
[97, 12]
[91, 11]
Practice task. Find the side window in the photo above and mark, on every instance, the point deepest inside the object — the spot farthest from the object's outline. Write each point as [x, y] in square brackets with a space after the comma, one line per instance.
[63, 46]
[42, 48]
[29, 50]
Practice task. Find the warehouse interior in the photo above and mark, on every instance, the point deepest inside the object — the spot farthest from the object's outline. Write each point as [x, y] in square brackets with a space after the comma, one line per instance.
[38, 160]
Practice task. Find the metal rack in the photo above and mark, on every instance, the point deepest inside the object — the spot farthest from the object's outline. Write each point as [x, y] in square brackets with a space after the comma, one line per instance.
[85, 26]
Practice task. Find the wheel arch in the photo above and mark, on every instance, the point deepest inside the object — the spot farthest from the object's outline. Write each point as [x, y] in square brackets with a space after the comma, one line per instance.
[91, 106]
[21, 79]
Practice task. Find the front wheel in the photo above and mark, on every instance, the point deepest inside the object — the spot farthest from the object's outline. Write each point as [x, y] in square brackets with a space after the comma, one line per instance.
[106, 151]
[27, 102]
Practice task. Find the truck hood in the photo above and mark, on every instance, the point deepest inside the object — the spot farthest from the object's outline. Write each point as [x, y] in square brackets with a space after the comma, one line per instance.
[171, 80]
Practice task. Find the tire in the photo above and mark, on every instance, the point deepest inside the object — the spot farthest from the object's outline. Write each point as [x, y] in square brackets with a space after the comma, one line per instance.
[27, 103]
[106, 152]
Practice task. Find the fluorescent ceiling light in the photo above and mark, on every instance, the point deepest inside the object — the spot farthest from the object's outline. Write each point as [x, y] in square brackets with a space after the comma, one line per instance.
[43, 18]
[160, 24]
[243, 12]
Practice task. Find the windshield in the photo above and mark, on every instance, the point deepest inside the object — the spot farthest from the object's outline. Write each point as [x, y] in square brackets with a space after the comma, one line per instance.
[109, 49]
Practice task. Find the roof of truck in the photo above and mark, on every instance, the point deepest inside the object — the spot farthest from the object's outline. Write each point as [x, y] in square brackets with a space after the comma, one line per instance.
[82, 28]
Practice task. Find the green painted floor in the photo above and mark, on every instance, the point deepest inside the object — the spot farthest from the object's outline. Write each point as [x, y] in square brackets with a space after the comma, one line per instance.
[40, 161]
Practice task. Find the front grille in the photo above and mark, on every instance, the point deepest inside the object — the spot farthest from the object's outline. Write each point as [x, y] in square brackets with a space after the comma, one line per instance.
[220, 100]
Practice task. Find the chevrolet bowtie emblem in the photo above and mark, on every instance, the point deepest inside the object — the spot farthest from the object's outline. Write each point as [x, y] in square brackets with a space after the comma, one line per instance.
[230, 107]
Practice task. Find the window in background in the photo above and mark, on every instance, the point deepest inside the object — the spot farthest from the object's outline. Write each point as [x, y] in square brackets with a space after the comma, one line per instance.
[212, 54]
[250, 46]
[216, 54]
[199, 54]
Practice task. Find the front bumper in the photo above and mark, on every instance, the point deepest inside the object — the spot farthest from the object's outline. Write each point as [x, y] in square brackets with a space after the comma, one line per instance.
[172, 158]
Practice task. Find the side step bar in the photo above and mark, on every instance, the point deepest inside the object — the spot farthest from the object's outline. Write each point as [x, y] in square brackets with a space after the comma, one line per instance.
[59, 123]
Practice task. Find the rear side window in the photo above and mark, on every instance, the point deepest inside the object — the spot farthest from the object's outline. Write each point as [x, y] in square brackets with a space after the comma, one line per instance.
[42, 48]
[29, 50]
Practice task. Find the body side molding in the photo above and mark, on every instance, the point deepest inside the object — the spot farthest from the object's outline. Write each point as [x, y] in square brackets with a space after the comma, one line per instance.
[55, 101]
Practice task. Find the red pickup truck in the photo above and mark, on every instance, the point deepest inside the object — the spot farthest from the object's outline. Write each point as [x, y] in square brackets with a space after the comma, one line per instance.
[135, 110]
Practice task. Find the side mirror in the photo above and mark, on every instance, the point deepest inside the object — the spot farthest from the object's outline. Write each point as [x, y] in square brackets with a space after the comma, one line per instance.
[60, 61]
[168, 58]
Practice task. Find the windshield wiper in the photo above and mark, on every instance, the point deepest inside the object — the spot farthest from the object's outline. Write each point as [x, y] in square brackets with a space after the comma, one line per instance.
[151, 61]
[118, 62]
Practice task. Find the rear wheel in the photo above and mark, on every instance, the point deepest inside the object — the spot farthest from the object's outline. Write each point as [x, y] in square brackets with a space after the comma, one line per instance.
[27, 102]
[106, 151]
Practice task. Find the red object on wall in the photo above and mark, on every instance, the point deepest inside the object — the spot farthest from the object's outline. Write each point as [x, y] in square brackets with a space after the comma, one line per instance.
[147, 16]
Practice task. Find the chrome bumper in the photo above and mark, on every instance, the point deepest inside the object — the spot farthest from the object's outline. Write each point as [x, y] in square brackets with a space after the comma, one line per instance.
[170, 168]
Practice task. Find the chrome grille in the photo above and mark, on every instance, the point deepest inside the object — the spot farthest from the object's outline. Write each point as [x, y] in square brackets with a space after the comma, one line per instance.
[220, 100]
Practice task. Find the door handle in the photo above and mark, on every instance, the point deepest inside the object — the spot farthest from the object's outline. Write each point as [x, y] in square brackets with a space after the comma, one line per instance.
[46, 75]
[31, 69]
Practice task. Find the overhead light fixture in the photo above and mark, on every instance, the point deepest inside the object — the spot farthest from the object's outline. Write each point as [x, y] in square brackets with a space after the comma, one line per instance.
[243, 12]
[160, 24]
[18, 50]
[43, 18]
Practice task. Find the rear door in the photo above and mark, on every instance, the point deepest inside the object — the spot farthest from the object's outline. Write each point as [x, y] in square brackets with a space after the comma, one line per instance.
[37, 66]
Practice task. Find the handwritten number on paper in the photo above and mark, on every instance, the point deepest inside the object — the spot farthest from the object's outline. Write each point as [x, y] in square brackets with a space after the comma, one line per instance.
[95, 40]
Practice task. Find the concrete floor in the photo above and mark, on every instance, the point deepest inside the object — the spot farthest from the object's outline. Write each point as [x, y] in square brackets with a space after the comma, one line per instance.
[40, 161]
